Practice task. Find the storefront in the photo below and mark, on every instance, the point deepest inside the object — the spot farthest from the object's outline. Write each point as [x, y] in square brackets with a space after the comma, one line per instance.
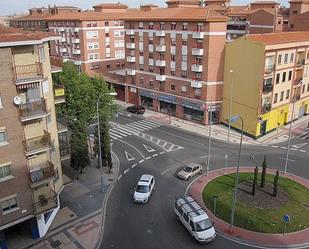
[215, 115]
[167, 104]
[193, 110]
[147, 98]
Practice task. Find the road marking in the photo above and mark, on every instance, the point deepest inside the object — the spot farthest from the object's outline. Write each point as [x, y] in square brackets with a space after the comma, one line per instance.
[126, 171]
[162, 152]
[264, 145]
[297, 146]
[132, 147]
[148, 157]
[274, 146]
[288, 159]
[134, 165]
[129, 156]
[149, 149]
[141, 161]
[154, 155]
[293, 149]
[119, 177]
[302, 150]
[163, 172]
[283, 148]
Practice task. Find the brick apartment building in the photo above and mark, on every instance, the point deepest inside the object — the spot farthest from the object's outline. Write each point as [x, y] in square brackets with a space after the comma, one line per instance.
[30, 168]
[174, 61]
[265, 88]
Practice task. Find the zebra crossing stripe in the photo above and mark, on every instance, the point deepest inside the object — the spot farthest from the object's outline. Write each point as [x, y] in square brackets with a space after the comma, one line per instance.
[145, 126]
[112, 134]
[118, 133]
[131, 130]
[134, 127]
[124, 133]
[148, 124]
[152, 122]
[125, 130]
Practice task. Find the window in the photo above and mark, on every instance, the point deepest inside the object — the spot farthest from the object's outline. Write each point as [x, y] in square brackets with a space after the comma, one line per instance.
[150, 68]
[295, 12]
[3, 138]
[284, 77]
[287, 94]
[92, 57]
[275, 97]
[41, 53]
[141, 53]
[106, 23]
[92, 34]
[151, 83]
[173, 26]
[184, 89]
[106, 34]
[184, 26]
[173, 72]
[277, 78]
[184, 58]
[173, 42]
[141, 67]
[173, 57]
[279, 58]
[198, 92]
[108, 66]
[281, 95]
[303, 89]
[279, 21]
[292, 57]
[9, 205]
[150, 26]
[5, 171]
[285, 21]
[141, 25]
[150, 55]
[173, 87]
[184, 42]
[183, 74]
[141, 80]
[92, 45]
[286, 57]
[268, 81]
[290, 75]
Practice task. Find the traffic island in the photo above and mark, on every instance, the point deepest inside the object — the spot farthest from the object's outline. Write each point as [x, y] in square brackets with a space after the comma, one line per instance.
[260, 219]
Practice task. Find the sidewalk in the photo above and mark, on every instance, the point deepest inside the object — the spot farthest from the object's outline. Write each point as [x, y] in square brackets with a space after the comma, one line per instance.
[253, 238]
[79, 222]
[220, 132]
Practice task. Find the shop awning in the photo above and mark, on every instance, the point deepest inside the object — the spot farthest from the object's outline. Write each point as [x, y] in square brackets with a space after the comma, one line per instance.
[148, 94]
[168, 98]
[192, 105]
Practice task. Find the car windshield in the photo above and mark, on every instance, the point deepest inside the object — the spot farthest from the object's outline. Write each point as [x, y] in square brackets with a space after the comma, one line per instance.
[188, 169]
[203, 225]
[142, 189]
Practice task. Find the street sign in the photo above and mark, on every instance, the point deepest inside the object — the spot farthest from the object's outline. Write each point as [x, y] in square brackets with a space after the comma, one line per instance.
[286, 218]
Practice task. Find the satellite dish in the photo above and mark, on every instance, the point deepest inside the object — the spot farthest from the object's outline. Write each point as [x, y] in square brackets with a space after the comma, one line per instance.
[17, 100]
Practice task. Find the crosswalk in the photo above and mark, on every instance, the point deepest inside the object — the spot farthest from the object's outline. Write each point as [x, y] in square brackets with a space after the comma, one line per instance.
[304, 135]
[134, 128]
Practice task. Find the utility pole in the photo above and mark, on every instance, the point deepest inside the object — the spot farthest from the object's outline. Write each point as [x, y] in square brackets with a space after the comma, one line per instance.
[230, 106]
[209, 137]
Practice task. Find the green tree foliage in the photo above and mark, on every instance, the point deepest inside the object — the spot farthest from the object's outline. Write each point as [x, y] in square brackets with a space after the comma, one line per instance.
[264, 165]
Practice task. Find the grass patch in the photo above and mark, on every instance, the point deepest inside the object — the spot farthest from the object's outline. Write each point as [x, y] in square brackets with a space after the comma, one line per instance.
[257, 219]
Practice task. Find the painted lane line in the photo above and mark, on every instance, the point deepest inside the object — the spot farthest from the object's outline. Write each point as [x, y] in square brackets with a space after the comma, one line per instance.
[275, 146]
[119, 177]
[162, 152]
[134, 131]
[126, 171]
[148, 157]
[141, 161]
[302, 151]
[132, 147]
[293, 149]
[163, 172]
[134, 165]
[154, 155]
[283, 148]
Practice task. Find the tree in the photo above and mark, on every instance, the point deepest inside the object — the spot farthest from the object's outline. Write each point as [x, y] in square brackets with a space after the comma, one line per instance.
[256, 171]
[264, 165]
[276, 178]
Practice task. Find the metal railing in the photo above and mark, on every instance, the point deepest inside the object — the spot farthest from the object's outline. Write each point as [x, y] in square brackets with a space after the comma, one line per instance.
[45, 172]
[37, 144]
[267, 88]
[33, 108]
[45, 202]
[29, 72]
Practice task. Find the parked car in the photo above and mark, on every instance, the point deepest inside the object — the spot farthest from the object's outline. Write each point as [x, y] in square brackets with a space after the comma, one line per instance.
[195, 219]
[137, 109]
[144, 189]
[189, 171]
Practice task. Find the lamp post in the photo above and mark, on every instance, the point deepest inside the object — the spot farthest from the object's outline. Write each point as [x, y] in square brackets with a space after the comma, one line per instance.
[230, 107]
[210, 109]
[233, 120]
[99, 135]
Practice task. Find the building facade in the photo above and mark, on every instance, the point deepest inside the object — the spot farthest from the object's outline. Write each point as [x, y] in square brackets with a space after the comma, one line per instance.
[30, 168]
[174, 61]
[267, 76]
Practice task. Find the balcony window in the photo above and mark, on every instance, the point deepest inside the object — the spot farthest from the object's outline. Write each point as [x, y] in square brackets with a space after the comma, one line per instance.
[173, 72]
[140, 25]
[286, 57]
[162, 26]
[173, 57]
[185, 26]
[150, 55]
[150, 26]
[41, 53]
[150, 68]
[173, 42]
[184, 42]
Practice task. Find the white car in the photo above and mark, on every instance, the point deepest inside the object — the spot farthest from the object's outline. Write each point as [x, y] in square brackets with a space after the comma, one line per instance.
[189, 171]
[144, 189]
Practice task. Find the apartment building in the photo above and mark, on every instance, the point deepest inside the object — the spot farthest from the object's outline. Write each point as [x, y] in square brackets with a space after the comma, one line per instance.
[298, 15]
[92, 40]
[30, 168]
[174, 61]
[267, 76]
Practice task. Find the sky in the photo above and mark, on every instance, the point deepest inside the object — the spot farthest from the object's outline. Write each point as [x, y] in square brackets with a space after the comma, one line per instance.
[8, 7]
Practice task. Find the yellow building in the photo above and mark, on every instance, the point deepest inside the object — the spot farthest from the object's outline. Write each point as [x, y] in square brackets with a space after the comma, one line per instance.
[263, 75]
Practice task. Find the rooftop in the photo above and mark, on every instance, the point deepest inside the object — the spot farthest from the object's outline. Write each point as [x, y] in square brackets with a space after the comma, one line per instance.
[111, 6]
[279, 38]
[13, 37]
[263, 2]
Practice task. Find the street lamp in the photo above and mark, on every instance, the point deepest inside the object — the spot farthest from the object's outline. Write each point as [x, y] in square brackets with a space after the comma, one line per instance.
[230, 106]
[233, 120]
[99, 135]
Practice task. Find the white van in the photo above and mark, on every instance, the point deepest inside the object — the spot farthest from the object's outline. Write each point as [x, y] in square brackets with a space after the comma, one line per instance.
[195, 219]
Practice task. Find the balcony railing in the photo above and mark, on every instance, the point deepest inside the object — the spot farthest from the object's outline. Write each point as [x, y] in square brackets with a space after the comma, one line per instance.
[43, 174]
[198, 34]
[266, 108]
[298, 81]
[33, 110]
[197, 68]
[196, 84]
[269, 68]
[267, 88]
[37, 144]
[31, 72]
[197, 51]
[45, 202]
[300, 64]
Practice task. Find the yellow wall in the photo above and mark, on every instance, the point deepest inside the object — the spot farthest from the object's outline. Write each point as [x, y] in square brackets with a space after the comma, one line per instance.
[275, 117]
[246, 59]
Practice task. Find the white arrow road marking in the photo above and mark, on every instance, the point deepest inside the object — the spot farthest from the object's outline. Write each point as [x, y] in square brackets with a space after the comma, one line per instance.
[297, 146]
[149, 149]
[129, 156]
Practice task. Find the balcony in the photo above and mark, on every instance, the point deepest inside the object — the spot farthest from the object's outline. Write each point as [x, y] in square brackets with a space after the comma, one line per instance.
[61, 29]
[160, 33]
[45, 201]
[76, 51]
[75, 40]
[297, 82]
[131, 59]
[59, 94]
[42, 174]
[300, 64]
[161, 48]
[64, 152]
[196, 84]
[196, 68]
[236, 31]
[160, 77]
[33, 110]
[131, 72]
[197, 51]
[130, 32]
[76, 30]
[62, 124]
[63, 39]
[266, 108]
[267, 88]
[160, 63]
[269, 69]
[198, 35]
[63, 50]
[131, 45]
[37, 144]
[237, 22]
[28, 73]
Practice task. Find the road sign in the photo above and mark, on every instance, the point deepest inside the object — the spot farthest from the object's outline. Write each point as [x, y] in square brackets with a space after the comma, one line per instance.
[286, 218]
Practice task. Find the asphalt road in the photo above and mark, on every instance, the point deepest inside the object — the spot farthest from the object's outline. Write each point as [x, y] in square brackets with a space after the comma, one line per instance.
[162, 152]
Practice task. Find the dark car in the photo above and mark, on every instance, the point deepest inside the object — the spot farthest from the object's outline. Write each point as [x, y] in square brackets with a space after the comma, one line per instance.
[137, 109]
